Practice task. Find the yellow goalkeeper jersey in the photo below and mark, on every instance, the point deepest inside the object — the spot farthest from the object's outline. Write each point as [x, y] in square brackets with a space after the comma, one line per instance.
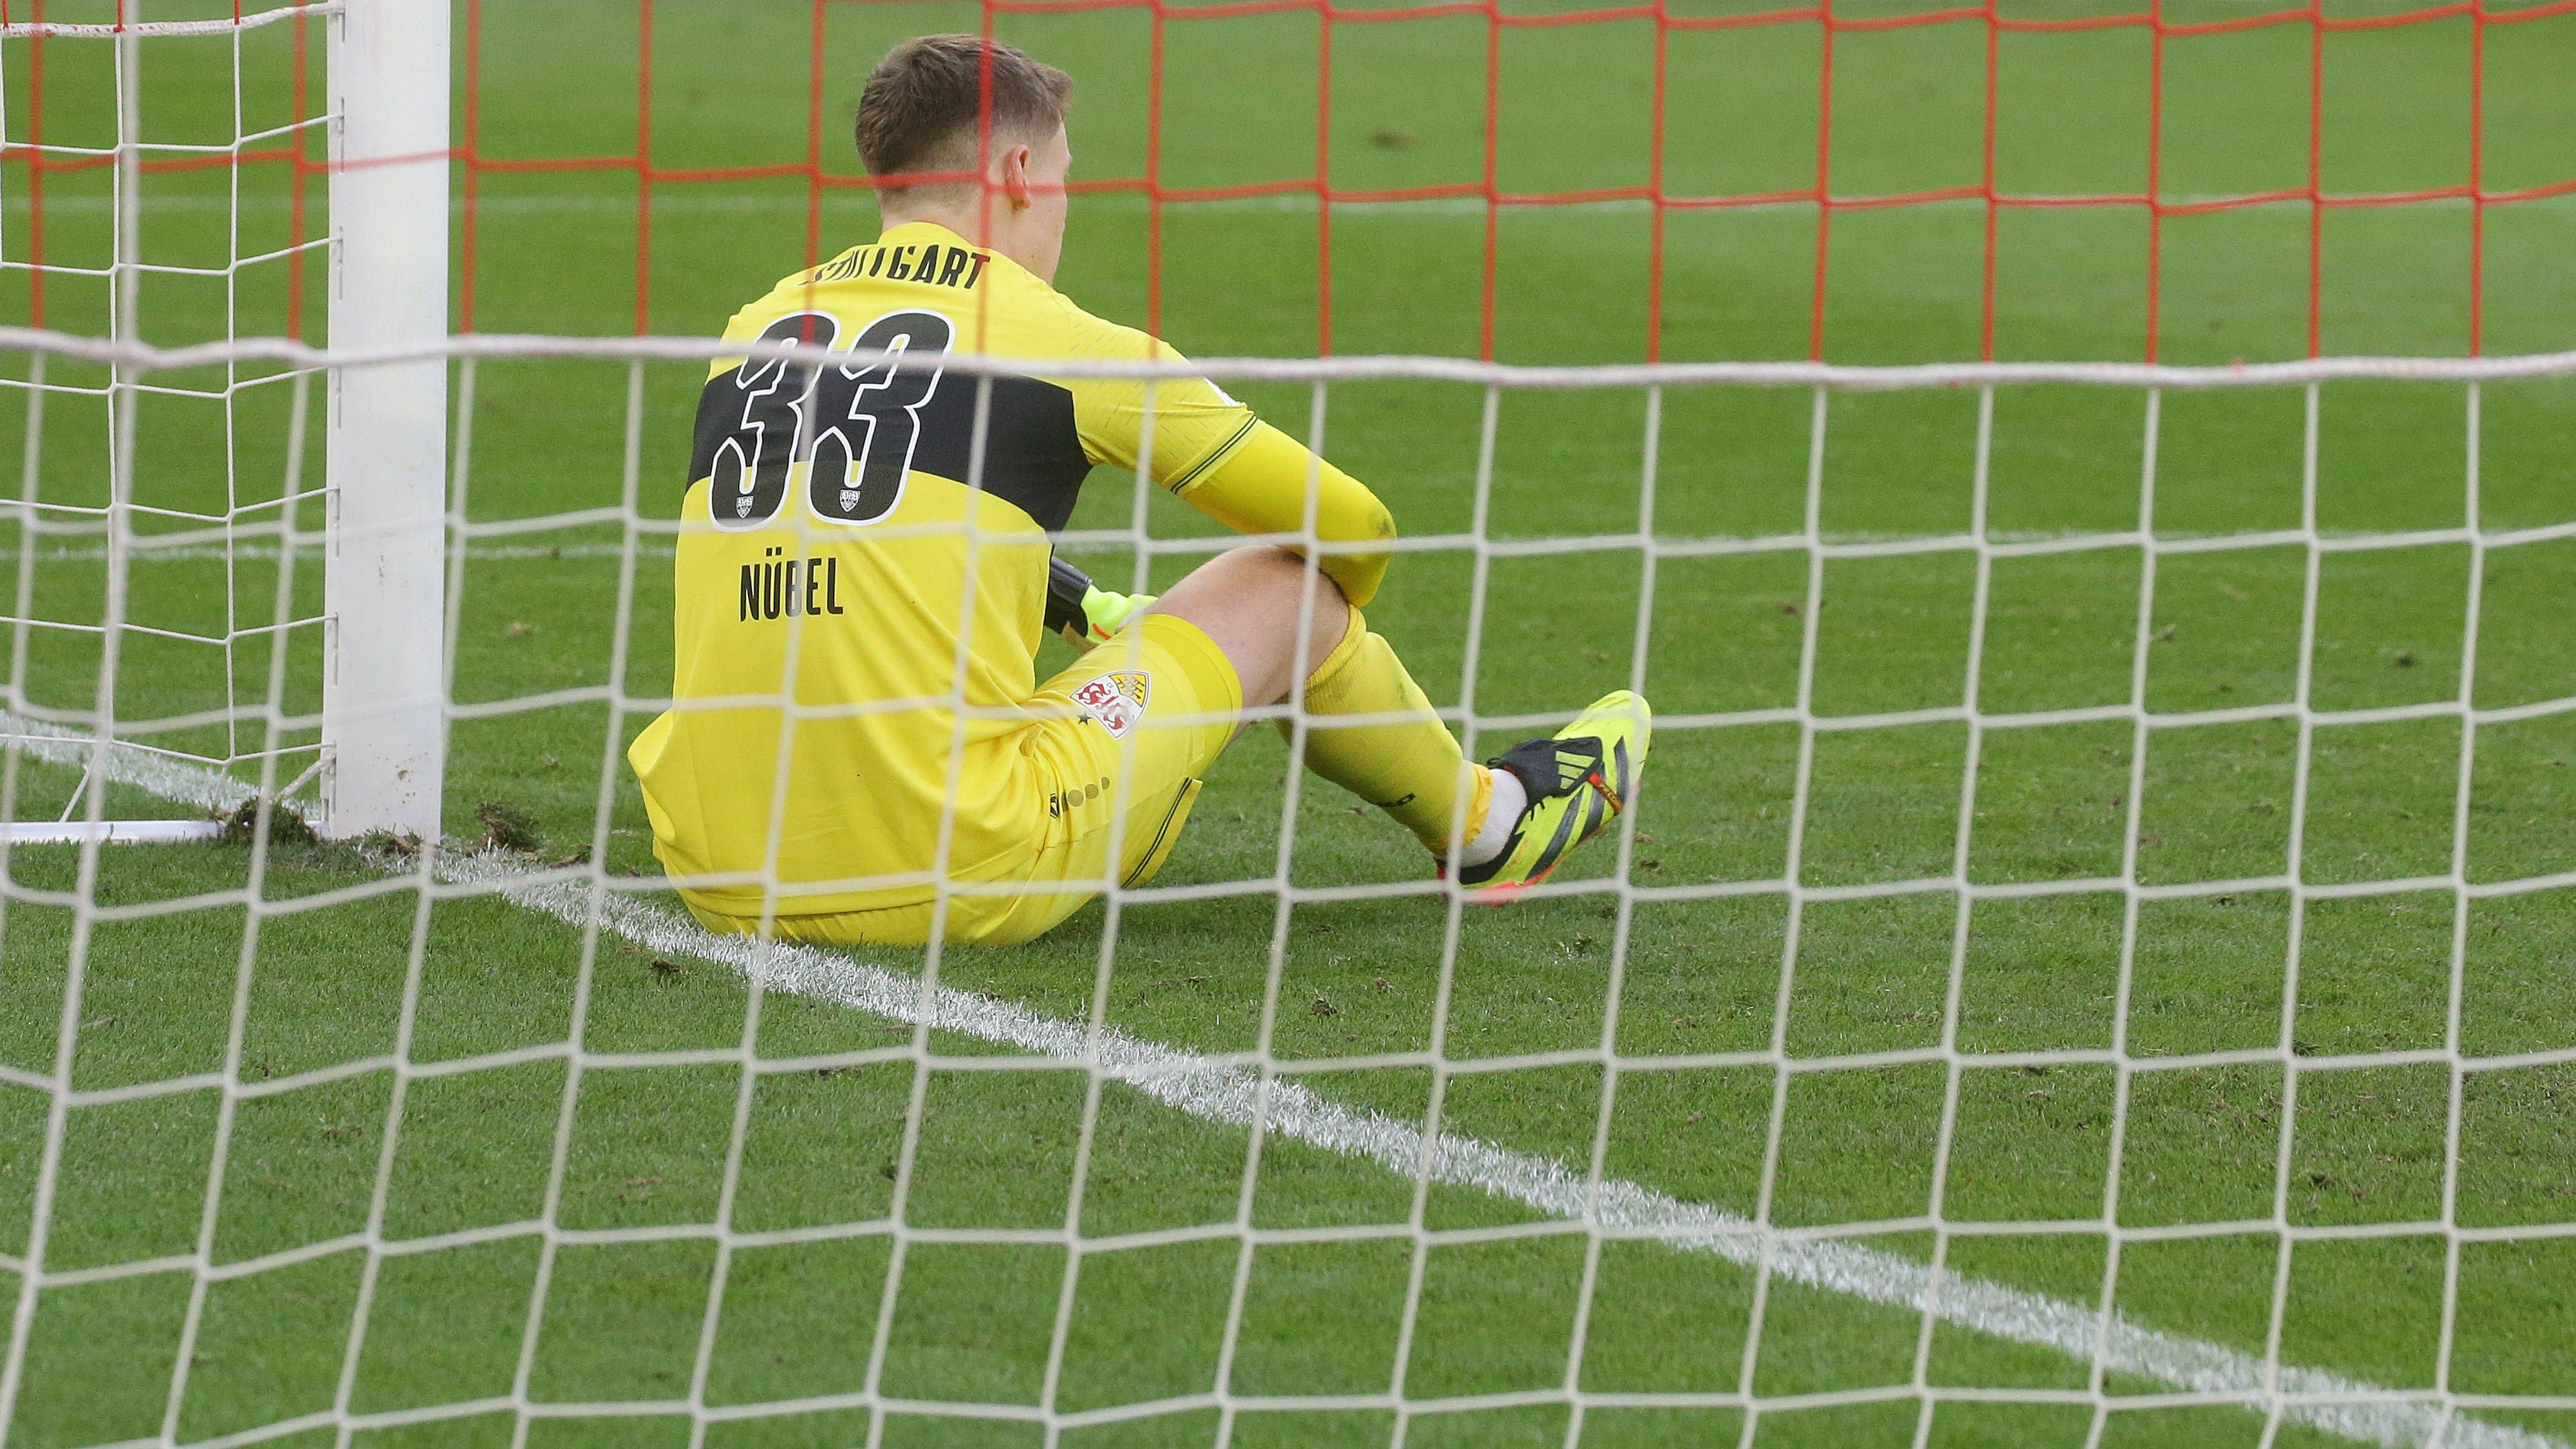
[871, 540]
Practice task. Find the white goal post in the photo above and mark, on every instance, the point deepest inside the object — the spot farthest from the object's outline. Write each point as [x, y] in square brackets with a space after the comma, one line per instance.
[383, 728]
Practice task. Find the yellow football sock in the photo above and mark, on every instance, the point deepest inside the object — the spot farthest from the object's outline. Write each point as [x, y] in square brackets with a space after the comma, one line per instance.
[1410, 767]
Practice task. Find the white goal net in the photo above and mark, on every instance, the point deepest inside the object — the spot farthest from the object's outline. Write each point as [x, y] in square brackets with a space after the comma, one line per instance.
[2090, 963]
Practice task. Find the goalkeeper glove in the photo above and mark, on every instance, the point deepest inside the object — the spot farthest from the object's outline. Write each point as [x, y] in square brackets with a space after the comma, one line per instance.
[1082, 611]
[1105, 613]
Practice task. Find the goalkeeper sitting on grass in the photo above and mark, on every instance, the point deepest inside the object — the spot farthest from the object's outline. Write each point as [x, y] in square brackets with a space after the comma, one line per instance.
[871, 540]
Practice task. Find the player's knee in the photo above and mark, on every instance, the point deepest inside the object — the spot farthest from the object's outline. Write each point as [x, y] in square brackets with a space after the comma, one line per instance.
[1252, 601]
[1290, 594]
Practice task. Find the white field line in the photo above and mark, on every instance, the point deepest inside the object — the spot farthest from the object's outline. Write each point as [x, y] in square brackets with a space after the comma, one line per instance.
[1234, 1096]
[180, 781]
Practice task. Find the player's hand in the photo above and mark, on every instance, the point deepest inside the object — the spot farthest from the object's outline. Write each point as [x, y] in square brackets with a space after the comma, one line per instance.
[1104, 614]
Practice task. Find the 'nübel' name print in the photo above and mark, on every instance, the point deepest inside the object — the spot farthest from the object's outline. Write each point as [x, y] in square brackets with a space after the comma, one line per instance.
[784, 588]
[942, 266]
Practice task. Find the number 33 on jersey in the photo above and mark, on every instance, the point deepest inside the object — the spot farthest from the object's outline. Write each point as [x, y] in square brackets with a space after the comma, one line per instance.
[852, 428]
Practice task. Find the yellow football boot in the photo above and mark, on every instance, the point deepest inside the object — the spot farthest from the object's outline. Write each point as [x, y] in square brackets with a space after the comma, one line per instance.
[1577, 783]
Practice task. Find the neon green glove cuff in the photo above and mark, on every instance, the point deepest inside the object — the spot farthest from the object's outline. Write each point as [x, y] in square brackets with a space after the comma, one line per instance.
[1105, 613]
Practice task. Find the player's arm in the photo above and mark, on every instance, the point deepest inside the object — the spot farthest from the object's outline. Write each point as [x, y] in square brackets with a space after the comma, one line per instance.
[1210, 451]
[1261, 485]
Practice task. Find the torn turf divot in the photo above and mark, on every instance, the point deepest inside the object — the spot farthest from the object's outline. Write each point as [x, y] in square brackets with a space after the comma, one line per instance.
[1233, 1096]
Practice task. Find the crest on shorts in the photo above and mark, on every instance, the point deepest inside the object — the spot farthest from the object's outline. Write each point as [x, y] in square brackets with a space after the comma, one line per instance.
[1116, 700]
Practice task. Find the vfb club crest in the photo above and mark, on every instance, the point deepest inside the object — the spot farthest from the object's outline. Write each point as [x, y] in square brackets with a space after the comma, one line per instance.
[1116, 700]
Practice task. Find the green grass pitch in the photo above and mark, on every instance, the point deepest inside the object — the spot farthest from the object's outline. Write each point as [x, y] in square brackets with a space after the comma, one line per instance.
[496, 989]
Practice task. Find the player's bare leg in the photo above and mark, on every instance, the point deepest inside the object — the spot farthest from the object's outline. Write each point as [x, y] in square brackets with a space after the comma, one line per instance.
[1513, 823]
[1249, 600]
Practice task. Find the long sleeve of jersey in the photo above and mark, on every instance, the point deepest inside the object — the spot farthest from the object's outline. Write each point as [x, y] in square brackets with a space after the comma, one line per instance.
[1211, 452]
[1261, 486]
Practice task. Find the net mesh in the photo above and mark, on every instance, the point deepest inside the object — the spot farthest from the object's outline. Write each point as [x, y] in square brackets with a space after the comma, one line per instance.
[2288, 932]
[175, 466]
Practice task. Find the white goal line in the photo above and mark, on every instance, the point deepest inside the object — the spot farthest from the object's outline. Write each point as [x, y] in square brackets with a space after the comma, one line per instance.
[480, 346]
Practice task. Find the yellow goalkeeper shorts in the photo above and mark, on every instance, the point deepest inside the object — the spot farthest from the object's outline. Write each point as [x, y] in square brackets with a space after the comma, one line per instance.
[1138, 720]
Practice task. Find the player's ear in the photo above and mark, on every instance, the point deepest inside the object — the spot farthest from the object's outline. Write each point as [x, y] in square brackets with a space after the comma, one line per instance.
[1015, 177]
